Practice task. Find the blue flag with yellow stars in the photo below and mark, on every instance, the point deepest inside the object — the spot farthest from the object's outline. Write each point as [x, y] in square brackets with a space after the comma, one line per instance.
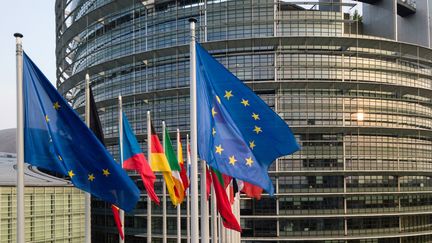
[56, 139]
[238, 134]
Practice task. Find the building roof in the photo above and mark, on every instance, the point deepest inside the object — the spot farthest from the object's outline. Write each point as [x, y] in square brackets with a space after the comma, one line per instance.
[32, 176]
[7, 140]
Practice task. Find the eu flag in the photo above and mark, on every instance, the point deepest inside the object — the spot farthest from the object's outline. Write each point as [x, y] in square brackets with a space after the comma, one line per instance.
[56, 139]
[238, 134]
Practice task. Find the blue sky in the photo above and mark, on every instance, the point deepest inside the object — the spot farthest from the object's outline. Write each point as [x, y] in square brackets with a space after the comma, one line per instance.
[35, 19]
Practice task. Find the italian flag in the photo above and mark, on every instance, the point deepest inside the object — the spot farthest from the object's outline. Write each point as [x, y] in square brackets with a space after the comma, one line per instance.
[175, 168]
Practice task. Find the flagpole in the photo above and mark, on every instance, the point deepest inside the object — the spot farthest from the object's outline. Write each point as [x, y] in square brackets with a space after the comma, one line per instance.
[214, 216]
[149, 209]
[164, 209]
[87, 197]
[226, 230]
[178, 206]
[121, 160]
[221, 233]
[193, 123]
[204, 204]
[20, 140]
[188, 228]
[237, 208]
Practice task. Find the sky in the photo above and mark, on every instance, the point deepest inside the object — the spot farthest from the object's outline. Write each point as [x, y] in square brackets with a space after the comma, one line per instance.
[35, 19]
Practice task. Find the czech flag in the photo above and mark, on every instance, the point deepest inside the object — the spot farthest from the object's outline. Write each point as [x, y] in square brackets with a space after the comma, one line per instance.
[135, 160]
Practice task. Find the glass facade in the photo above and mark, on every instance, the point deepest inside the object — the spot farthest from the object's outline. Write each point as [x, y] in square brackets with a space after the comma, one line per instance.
[359, 105]
[52, 214]
[53, 209]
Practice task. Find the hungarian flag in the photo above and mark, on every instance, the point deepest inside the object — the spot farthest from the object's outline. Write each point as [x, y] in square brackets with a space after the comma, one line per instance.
[96, 127]
[183, 172]
[159, 163]
[175, 167]
[134, 159]
[223, 204]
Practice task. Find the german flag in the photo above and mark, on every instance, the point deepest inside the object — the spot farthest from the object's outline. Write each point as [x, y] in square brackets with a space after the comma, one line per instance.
[159, 163]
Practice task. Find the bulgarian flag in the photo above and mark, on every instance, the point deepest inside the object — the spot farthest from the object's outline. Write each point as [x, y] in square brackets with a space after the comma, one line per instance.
[159, 163]
[175, 167]
[134, 159]
[223, 203]
[183, 173]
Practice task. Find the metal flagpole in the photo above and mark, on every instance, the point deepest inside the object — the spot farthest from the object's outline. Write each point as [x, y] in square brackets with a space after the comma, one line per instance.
[227, 231]
[204, 204]
[164, 206]
[87, 198]
[188, 233]
[149, 209]
[214, 225]
[121, 159]
[179, 223]
[220, 228]
[237, 207]
[193, 122]
[20, 234]
[223, 230]
[179, 205]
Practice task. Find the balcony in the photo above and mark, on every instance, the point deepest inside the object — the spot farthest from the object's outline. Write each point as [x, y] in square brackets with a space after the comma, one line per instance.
[406, 7]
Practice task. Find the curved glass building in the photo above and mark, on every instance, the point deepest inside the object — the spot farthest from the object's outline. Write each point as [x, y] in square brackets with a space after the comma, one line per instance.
[355, 88]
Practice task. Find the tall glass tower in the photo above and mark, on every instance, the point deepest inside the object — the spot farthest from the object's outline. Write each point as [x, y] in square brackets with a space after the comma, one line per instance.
[355, 87]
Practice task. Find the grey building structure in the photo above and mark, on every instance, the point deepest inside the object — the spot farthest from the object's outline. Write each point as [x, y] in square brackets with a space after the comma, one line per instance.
[355, 90]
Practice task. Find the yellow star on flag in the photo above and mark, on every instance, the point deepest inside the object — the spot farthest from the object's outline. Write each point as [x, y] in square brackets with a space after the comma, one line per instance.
[255, 116]
[232, 160]
[228, 94]
[252, 144]
[56, 106]
[219, 149]
[257, 129]
[46, 118]
[213, 131]
[59, 157]
[106, 172]
[71, 174]
[249, 161]
[213, 112]
[245, 102]
[91, 177]
[218, 99]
